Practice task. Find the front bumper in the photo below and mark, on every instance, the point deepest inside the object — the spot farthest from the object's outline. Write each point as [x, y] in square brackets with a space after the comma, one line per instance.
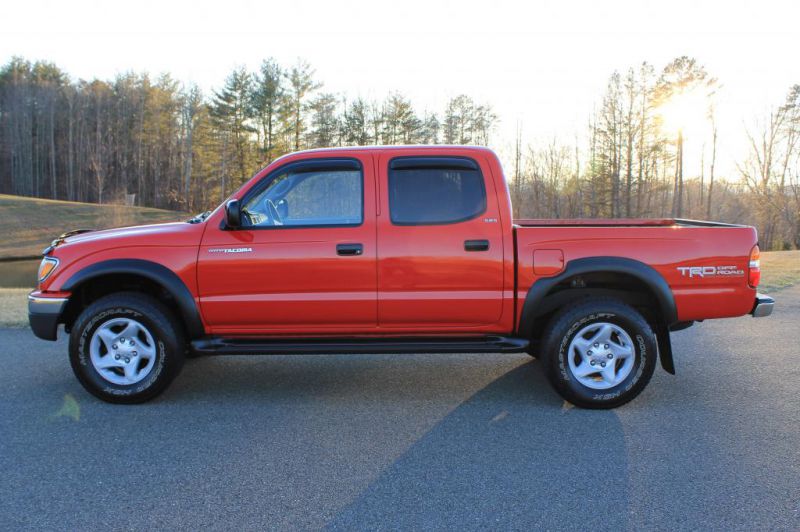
[44, 314]
[763, 306]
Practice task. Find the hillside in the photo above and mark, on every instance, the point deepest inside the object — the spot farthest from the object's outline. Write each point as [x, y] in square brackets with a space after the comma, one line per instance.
[27, 225]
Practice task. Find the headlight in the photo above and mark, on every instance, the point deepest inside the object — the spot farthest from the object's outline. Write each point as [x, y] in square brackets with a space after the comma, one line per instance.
[46, 267]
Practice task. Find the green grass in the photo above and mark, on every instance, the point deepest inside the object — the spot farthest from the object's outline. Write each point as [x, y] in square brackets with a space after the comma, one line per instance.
[27, 225]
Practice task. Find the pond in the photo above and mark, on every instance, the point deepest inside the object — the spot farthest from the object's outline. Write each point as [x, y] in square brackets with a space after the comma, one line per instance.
[19, 273]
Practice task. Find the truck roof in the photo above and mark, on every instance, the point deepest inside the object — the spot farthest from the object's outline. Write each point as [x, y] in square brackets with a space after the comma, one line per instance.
[393, 147]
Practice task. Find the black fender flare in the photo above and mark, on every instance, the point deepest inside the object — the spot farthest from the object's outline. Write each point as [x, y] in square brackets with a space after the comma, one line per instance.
[634, 268]
[157, 273]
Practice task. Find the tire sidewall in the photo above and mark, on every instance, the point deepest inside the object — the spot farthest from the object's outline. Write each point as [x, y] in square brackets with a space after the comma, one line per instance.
[158, 378]
[644, 358]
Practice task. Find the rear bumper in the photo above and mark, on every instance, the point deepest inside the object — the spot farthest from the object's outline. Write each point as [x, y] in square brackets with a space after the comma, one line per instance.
[763, 306]
[44, 314]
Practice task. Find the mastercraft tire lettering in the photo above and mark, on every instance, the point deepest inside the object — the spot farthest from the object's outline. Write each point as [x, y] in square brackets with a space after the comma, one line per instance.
[599, 353]
[126, 348]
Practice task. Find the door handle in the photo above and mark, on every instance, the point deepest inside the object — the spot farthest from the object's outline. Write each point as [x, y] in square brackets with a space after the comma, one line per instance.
[476, 245]
[349, 249]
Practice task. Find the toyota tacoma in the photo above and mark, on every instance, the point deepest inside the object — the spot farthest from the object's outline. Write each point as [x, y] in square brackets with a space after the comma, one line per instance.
[390, 250]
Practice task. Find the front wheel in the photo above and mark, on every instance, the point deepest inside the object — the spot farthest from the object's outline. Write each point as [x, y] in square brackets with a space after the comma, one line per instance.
[126, 348]
[599, 353]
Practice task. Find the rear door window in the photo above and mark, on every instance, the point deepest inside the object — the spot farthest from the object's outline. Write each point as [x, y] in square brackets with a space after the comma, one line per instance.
[435, 191]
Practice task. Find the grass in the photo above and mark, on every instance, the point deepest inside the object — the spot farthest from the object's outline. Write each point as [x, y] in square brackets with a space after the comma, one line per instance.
[779, 269]
[27, 225]
[14, 307]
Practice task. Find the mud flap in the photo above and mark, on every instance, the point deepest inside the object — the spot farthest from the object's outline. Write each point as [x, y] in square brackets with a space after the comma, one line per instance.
[665, 349]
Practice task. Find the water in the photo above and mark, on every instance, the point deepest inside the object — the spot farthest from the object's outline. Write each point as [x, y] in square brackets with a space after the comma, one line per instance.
[19, 273]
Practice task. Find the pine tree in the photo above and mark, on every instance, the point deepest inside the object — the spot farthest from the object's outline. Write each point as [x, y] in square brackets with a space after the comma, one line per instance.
[356, 124]
[324, 122]
[300, 85]
[429, 132]
[458, 120]
[231, 111]
[401, 124]
[268, 93]
[483, 122]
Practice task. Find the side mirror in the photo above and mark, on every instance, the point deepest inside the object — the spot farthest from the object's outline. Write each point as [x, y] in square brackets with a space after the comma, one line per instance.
[233, 214]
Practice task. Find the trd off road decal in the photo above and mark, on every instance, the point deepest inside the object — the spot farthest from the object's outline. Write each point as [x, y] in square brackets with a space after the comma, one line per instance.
[710, 271]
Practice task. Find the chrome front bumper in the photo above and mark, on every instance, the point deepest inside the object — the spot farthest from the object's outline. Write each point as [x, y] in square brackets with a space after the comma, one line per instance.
[763, 306]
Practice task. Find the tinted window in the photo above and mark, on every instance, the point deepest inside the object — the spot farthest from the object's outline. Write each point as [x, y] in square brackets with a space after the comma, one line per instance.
[330, 197]
[419, 196]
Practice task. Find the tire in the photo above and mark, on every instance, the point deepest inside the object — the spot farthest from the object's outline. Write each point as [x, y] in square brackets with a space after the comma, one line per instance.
[126, 369]
[599, 353]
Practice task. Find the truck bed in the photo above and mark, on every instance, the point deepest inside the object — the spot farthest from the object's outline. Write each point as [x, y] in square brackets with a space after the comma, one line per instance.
[705, 264]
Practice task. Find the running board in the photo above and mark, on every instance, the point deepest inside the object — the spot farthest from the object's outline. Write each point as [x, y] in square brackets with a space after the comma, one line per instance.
[319, 346]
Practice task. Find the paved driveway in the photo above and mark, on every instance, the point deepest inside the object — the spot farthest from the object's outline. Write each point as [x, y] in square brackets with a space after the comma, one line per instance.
[459, 441]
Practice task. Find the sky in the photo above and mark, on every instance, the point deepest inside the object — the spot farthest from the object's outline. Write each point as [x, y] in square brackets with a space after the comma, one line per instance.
[543, 64]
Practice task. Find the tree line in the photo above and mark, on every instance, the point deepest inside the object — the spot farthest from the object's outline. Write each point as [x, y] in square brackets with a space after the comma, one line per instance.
[155, 142]
[631, 163]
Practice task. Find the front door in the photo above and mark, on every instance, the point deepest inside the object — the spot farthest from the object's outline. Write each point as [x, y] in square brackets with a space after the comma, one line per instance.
[440, 245]
[304, 259]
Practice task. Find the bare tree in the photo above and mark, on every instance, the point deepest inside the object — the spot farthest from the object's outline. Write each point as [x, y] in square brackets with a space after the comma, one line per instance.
[681, 77]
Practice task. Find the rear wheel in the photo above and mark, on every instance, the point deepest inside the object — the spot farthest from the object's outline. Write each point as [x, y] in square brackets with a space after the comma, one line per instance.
[599, 353]
[126, 348]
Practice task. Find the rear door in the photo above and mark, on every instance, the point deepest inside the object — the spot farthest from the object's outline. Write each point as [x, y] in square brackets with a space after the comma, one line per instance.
[440, 244]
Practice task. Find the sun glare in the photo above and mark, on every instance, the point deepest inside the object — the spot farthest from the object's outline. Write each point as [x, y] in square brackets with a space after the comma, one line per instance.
[685, 112]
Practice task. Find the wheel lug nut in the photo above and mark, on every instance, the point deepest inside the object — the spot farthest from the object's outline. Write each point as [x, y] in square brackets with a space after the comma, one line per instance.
[114, 346]
[605, 346]
[609, 355]
[589, 352]
[128, 360]
[596, 344]
[116, 357]
[592, 362]
[602, 364]
[135, 353]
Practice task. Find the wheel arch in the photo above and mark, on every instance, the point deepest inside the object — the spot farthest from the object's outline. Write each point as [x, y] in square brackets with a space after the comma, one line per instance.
[627, 279]
[119, 275]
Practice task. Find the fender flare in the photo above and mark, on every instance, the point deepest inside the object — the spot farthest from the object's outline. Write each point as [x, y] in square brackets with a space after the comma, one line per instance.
[157, 273]
[634, 268]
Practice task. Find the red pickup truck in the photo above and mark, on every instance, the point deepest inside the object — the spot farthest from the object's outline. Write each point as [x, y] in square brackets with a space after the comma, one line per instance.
[390, 250]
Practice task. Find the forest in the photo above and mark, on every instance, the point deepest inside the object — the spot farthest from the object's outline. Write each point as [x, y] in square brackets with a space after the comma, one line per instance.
[160, 143]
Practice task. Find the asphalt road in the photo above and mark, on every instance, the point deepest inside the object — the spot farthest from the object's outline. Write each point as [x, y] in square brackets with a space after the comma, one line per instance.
[410, 442]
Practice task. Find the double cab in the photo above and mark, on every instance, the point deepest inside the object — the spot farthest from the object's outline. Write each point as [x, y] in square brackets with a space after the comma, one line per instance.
[390, 250]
